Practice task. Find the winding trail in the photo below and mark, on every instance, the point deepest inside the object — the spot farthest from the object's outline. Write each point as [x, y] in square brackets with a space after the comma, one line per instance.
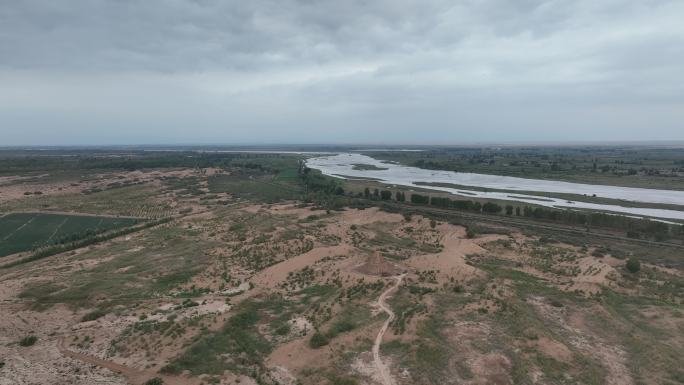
[383, 370]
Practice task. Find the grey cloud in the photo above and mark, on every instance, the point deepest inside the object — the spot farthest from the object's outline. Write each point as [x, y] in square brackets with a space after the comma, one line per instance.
[297, 70]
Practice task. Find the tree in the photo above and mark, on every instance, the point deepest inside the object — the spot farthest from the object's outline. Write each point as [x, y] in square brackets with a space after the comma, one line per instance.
[366, 192]
[633, 265]
[440, 202]
[385, 195]
[420, 199]
[509, 210]
[400, 196]
[490, 207]
[154, 381]
[476, 206]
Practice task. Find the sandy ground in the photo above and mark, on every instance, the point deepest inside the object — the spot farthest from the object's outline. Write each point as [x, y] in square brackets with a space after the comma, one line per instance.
[274, 275]
[450, 262]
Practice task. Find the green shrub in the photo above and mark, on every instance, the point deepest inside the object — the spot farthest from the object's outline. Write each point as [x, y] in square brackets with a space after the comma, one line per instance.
[341, 326]
[556, 303]
[633, 265]
[470, 233]
[283, 329]
[171, 368]
[318, 340]
[154, 381]
[93, 315]
[28, 340]
[339, 380]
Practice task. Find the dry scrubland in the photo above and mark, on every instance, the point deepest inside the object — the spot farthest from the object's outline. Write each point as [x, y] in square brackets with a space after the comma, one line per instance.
[233, 290]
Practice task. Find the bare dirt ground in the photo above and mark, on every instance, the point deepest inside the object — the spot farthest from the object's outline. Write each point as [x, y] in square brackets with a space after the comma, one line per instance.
[450, 262]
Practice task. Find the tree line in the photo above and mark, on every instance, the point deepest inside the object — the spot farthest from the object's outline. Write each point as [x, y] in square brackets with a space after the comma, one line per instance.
[634, 227]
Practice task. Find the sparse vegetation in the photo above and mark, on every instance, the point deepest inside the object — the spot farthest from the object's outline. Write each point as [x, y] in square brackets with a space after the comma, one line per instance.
[252, 259]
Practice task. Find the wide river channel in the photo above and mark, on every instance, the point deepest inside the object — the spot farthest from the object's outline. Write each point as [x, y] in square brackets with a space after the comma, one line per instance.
[346, 166]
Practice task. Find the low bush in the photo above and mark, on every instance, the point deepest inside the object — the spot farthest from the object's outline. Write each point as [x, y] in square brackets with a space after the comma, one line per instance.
[318, 340]
[28, 341]
[633, 265]
[154, 381]
[93, 315]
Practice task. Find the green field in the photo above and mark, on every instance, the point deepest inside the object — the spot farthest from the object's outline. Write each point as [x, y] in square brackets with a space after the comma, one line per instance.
[26, 231]
[259, 187]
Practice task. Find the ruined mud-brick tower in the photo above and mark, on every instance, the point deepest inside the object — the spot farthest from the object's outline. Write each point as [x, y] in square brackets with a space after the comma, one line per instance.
[377, 265]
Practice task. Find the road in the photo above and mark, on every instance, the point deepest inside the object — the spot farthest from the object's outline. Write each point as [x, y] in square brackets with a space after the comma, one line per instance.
[383, 370]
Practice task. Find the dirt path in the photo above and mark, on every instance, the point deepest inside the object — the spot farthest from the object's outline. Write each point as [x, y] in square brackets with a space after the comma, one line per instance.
[383, 370]
[133, 376]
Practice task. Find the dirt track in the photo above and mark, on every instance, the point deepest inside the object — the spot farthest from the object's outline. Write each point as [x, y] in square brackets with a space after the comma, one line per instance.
[383, 370]
[133, 376]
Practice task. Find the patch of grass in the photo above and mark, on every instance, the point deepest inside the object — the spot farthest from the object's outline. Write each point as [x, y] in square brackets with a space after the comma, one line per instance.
[341, 380]
[283, 329]
[259, 187]
[405, 304]
[316, 293]
[164, 259]
[135, 201]
[238, 347]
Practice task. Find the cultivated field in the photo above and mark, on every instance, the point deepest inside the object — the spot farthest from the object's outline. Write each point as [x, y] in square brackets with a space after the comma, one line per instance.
[28, 231]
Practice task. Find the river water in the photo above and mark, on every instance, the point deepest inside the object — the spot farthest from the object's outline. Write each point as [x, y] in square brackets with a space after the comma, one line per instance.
[342, 166]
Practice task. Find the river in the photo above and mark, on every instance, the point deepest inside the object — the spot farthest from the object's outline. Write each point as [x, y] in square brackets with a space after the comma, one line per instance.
[343, 166]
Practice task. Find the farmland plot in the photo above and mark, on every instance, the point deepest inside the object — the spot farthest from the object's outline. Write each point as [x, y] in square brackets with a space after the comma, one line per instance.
[25, 231]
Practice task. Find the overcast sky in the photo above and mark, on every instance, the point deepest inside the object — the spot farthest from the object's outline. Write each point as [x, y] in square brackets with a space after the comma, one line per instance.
[391, 71]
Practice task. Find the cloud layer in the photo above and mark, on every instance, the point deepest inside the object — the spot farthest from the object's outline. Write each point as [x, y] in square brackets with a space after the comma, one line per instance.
[391, 71]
